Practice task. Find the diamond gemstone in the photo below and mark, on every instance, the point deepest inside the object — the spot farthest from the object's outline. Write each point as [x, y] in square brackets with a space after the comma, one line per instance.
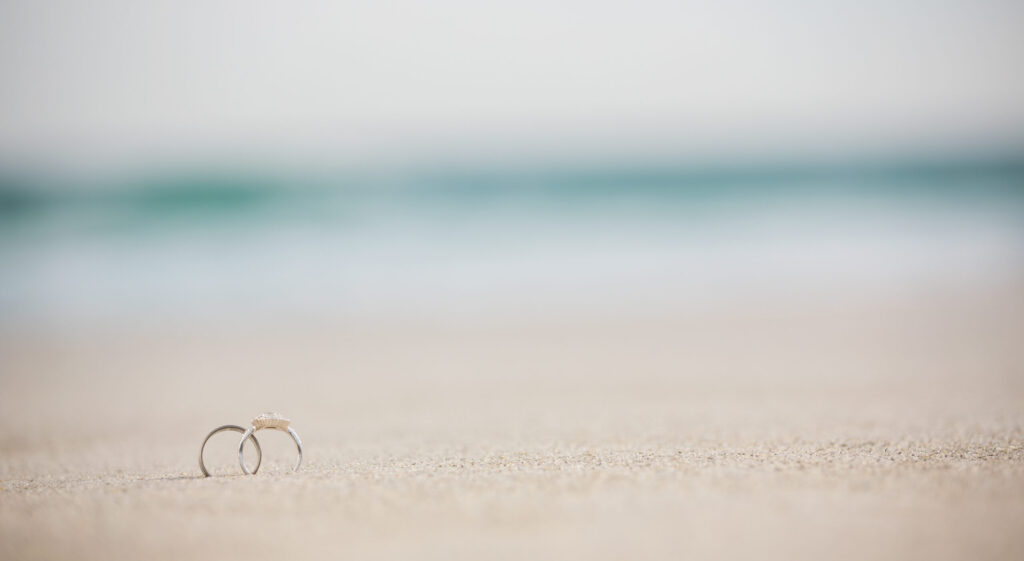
[271, 420]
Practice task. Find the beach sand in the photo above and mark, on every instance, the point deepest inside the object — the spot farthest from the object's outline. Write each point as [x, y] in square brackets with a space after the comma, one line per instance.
[884, 426]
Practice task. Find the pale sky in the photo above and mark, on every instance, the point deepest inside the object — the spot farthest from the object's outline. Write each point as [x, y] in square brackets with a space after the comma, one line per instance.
[392, 80]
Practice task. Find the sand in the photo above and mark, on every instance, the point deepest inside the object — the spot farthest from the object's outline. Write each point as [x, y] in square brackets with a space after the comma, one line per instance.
[881, 427]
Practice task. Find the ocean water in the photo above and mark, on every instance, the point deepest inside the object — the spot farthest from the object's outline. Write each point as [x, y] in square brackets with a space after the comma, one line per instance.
[190, 245]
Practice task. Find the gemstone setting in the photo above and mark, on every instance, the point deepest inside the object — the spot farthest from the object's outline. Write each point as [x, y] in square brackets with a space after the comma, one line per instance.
[271, 420]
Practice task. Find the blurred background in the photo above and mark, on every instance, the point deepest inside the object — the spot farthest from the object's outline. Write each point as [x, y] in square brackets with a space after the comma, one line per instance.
[171, 162]
[645, 240]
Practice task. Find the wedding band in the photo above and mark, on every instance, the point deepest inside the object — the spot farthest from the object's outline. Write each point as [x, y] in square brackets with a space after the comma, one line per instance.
[236, 428]
[269, 421]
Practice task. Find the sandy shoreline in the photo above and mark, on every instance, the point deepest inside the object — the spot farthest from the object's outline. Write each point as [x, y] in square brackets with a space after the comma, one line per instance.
[883, 428]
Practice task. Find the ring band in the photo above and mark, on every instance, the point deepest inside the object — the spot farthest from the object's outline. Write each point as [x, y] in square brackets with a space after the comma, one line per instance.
[268, 421]
[235, 428]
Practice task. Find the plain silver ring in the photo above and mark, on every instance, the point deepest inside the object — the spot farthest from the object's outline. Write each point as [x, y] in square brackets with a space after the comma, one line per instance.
[236, 428]
[249, 433]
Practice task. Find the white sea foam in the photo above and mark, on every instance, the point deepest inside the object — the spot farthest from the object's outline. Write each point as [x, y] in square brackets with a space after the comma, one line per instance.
[439, 255]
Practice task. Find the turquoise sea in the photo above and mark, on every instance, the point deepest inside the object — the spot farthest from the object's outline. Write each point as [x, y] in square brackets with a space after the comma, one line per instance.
[182, 244]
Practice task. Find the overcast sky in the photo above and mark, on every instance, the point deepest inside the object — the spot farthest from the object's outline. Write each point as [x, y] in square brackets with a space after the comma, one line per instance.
[391, 80]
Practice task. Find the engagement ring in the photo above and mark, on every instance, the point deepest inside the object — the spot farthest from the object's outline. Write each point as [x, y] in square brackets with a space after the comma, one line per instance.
[269, 421]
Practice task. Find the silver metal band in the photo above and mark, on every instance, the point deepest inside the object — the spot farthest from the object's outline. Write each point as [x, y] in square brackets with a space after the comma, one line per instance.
[249, 434]
[235, 428]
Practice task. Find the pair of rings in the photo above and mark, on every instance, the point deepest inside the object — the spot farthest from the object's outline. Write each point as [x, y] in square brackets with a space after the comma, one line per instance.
[264, 421]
